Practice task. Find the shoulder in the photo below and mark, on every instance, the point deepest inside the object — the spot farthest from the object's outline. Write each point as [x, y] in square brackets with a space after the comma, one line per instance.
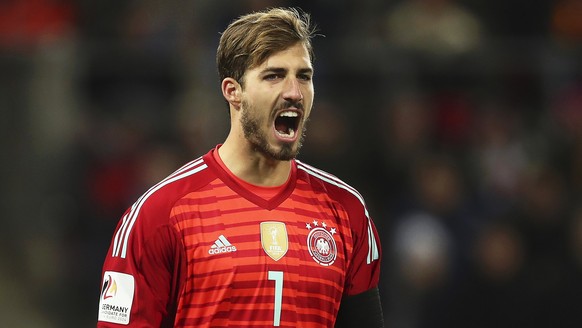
[188, 178]
[150, 213]
[161, 197]
[328, 183]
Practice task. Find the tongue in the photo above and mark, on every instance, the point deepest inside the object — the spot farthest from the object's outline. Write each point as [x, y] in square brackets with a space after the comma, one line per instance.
[287, 135]
[281, 127]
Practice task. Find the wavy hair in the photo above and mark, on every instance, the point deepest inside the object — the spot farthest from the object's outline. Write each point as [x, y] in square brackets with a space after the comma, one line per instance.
[249, 40]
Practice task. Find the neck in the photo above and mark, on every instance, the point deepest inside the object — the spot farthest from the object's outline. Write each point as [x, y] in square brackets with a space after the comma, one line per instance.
[253, 166]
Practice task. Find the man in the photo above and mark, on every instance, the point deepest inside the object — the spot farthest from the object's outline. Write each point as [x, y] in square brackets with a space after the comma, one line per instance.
[247, 236]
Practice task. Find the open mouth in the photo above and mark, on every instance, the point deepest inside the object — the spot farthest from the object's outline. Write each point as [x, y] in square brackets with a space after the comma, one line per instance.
[287, 123]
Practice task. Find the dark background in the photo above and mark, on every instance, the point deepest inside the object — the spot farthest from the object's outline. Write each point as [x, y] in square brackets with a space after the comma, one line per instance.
[459, 121]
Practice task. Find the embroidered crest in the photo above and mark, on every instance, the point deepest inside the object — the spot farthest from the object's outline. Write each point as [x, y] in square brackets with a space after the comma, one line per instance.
[274, 239]
[321, 244]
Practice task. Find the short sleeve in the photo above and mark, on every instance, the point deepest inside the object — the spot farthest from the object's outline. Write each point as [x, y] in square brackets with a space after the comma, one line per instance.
[142, 274]
[364, 270]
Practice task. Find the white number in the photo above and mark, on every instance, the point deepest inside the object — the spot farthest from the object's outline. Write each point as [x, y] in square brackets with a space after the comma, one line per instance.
[277, 276]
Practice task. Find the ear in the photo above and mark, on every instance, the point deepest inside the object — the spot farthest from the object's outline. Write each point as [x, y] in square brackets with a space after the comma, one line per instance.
[231, 91]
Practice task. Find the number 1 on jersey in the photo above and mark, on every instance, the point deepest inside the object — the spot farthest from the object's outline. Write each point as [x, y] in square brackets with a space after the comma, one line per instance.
[277, 276]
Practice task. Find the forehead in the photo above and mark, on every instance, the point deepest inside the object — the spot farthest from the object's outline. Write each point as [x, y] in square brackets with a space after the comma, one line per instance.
[294, 57]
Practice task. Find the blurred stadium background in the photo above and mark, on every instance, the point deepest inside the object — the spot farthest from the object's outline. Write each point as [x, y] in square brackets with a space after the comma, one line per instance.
[460, 122]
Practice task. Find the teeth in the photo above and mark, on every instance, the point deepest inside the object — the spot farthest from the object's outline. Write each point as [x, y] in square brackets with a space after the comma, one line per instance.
[286, 130]
[289, 114]
[291, 134]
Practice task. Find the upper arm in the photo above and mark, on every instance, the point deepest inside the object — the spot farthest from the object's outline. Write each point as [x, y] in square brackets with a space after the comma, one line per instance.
[364, 269]
[140, 287]
[361, 310]
[361, 306]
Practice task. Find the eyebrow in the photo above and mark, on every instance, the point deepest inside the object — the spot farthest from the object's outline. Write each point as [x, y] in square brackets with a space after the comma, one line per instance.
[280, 70]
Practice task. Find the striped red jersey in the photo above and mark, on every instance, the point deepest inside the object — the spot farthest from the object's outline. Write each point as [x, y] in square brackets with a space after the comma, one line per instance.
[199, 249]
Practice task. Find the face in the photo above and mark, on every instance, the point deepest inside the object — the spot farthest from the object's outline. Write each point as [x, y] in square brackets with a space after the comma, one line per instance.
[276, 102]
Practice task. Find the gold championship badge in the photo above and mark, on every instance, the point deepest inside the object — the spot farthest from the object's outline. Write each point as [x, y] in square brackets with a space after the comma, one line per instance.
[274, 239]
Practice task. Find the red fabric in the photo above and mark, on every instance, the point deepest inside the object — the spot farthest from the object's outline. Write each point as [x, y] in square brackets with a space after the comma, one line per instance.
[196, 251]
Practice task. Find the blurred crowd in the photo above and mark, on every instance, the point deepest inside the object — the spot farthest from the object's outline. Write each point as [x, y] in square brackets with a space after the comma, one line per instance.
[460, 121]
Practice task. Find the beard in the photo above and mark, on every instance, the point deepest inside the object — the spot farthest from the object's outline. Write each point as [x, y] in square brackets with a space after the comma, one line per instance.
[258, 138]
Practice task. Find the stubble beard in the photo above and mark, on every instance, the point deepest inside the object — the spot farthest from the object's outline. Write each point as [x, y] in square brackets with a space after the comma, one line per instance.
[258, 138]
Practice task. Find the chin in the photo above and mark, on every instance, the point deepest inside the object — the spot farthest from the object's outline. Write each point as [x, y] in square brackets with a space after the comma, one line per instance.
[281, 152]
[286, 153]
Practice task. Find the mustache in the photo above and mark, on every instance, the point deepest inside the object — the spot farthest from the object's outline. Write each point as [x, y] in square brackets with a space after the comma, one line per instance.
[288, 104]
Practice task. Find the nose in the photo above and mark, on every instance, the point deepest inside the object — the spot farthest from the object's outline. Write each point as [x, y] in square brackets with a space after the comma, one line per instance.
[292, 90]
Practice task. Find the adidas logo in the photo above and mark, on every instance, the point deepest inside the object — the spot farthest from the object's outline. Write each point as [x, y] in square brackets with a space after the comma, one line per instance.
[221, 245]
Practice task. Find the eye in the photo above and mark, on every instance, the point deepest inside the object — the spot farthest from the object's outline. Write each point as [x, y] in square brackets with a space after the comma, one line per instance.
[272, 77]
[304, 77]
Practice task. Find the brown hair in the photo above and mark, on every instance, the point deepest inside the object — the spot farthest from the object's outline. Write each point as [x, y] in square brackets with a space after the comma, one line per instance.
[251, 39]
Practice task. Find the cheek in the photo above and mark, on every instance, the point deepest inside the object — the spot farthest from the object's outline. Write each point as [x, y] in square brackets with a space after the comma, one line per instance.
[308, 96]
[308, 104]
[309, 91]
[262, 101]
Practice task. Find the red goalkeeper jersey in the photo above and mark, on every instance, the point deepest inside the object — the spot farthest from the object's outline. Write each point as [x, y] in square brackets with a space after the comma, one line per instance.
[199, 249]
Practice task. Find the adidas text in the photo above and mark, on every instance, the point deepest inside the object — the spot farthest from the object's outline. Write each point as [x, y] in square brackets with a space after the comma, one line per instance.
[223, 249]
